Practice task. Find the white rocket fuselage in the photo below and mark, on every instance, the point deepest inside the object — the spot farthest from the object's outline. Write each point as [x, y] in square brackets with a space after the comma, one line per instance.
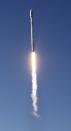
[32, 32]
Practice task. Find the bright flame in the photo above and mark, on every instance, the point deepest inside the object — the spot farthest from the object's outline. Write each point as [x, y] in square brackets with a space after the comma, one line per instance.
[34, 84]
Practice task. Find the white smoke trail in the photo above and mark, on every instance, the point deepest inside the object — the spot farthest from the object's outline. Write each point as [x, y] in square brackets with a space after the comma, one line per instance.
[34, 85]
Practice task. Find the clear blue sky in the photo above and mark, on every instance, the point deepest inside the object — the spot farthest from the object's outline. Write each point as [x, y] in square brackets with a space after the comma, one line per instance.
[53, 45]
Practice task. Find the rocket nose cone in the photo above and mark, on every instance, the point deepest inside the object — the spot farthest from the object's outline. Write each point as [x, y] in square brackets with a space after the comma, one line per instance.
[30, 12]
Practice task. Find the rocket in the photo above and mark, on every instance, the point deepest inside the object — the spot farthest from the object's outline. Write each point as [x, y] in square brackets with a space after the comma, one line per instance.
[32, 31]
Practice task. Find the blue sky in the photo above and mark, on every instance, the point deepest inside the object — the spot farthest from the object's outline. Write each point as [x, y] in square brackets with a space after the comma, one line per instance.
[52, 19]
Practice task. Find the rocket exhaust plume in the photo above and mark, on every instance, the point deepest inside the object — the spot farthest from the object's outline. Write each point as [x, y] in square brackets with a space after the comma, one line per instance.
[34, 74]
[34, 84]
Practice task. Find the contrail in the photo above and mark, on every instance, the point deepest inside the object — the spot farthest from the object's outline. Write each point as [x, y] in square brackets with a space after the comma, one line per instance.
[34, 84]
[34, 74]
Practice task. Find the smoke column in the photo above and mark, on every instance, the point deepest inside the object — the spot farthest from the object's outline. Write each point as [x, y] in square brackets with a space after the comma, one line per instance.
[34, 84]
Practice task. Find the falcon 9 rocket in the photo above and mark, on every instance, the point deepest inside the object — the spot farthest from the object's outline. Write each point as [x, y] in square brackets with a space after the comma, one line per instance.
[32, 31]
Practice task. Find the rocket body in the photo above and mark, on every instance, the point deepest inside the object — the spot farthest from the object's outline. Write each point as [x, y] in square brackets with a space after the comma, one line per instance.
[32, 31]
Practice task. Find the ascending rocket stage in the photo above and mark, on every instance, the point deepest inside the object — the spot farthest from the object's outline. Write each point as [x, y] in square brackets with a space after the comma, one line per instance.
[32, 31]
